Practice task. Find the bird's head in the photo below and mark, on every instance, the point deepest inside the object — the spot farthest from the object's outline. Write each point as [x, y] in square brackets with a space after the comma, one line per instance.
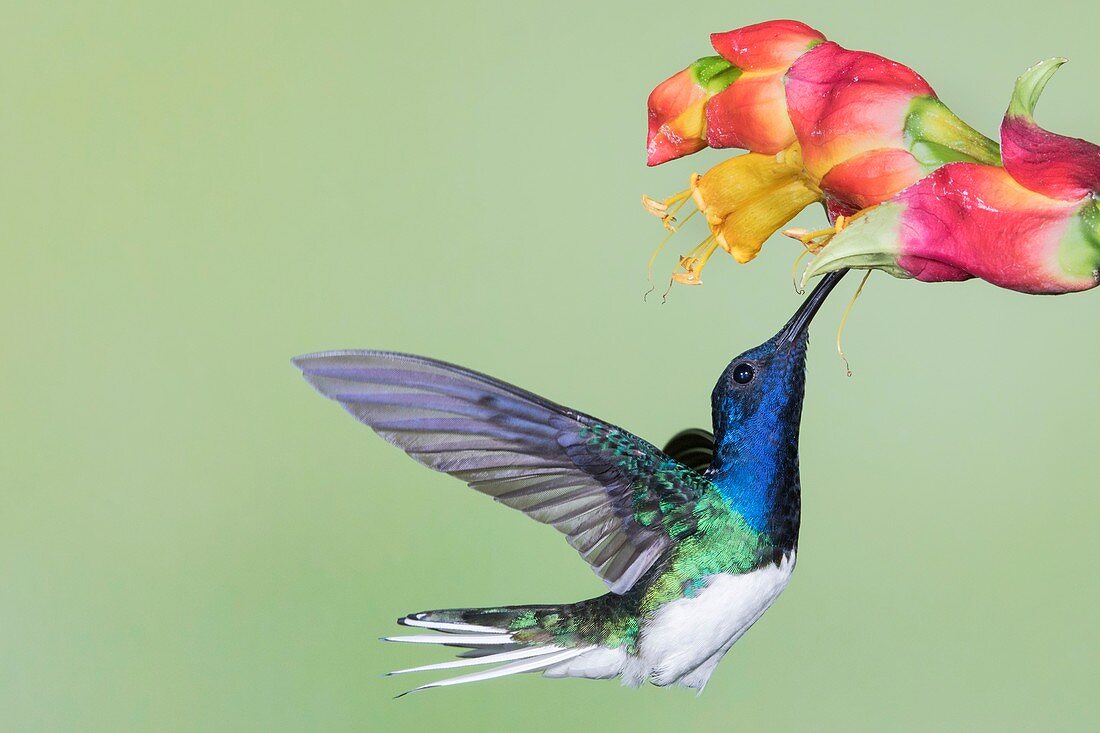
[771, 376]
[757, 402]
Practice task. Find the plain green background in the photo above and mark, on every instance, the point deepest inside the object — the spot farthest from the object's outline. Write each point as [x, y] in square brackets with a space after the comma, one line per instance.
[191, 539]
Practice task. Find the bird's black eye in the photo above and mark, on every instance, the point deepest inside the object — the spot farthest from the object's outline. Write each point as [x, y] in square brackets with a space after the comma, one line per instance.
[742, 373]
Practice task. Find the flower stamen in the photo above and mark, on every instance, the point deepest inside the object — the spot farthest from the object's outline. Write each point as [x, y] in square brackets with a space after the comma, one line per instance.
[816, 240]
[660, 209]
[694, 262]
[794, 272]
[844, 322]
[661, 246]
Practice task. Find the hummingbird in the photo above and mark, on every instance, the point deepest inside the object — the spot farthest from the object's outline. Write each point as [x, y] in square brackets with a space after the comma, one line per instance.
[694, 542]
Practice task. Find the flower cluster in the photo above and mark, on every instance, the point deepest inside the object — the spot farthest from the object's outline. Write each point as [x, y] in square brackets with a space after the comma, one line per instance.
[1031, 225]
[909, 187]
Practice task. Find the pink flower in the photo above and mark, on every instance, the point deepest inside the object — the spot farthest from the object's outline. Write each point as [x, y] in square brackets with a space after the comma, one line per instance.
[869, 126]
[752, 112]
[677, 122]
[821, 123]
[1032, 225]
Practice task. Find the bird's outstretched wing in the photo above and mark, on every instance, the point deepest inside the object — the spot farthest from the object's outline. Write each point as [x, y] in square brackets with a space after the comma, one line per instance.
[619, 500]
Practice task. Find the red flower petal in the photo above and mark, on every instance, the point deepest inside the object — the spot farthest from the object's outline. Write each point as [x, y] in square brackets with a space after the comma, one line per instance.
[751, 114]
[870, 178]
[843, 103]
[775, 43]
[974, 219]
[675, 118]
[1062, 167]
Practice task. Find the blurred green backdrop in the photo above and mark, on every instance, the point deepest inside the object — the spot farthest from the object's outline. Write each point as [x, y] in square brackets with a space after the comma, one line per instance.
[191, 539]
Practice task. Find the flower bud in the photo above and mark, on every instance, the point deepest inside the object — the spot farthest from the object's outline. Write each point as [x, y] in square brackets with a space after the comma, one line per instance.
[677, 121]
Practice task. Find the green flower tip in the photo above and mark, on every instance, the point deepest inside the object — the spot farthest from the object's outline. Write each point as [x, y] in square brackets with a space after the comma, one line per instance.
[937, 136]
[870, 242]
[714, 73]
[1030, 85]
[1079, 253]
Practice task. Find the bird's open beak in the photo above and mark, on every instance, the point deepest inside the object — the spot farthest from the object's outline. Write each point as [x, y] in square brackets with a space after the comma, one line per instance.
[800, 321]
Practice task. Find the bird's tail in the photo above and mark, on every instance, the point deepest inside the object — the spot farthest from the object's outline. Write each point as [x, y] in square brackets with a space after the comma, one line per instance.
[511, 639]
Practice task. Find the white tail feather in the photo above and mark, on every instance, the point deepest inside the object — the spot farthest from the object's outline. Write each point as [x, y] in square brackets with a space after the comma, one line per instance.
[455, 639]
[530, 665]
[538, 651]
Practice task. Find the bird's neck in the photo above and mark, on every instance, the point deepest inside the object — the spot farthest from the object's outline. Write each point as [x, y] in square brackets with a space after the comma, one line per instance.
[755, 467]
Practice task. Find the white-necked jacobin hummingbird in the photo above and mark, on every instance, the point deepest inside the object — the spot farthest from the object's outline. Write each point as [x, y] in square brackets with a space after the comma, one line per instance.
[695, 542]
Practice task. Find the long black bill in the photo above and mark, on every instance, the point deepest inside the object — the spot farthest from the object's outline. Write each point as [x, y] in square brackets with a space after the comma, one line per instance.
[800, 321]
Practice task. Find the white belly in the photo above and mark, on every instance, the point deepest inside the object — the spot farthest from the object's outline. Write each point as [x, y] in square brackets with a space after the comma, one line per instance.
[687, 638]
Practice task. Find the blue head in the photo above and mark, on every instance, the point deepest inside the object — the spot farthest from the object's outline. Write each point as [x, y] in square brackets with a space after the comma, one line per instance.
[757, 407]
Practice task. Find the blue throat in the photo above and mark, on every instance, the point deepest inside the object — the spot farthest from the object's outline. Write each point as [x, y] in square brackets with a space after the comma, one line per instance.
[759, 477]
[755, 464]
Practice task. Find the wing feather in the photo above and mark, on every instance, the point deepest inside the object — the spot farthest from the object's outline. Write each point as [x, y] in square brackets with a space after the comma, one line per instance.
[613, 495]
